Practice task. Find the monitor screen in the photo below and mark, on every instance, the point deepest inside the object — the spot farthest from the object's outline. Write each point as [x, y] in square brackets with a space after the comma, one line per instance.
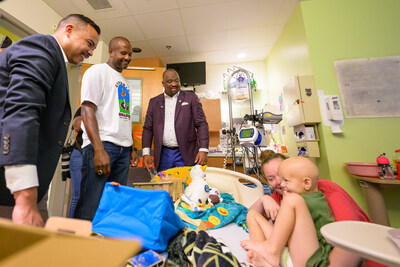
[191, 73]
[246, 133]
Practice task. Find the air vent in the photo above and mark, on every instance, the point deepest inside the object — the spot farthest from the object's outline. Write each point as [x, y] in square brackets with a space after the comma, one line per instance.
[99, 4]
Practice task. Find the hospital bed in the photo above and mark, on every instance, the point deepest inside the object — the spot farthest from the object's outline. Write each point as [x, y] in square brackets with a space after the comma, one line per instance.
[231, 182]
[236, 184]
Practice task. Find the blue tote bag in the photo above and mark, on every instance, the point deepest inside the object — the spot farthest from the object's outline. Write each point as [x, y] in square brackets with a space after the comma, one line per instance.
[129, 213]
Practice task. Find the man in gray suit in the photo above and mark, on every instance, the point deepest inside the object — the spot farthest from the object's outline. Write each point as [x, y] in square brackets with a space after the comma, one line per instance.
[177, 122]
[35, 112]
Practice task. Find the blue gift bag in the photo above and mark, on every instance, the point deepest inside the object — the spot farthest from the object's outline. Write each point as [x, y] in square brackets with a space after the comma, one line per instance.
[129, 213]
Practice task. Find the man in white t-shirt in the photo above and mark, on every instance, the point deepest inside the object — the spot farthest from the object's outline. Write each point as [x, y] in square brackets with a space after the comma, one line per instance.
[107, 128]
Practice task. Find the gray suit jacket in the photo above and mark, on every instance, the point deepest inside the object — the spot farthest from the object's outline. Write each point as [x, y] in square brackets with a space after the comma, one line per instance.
[34, 108]
[191, 127]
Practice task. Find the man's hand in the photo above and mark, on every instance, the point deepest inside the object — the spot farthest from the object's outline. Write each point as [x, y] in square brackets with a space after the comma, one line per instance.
[147, 162]
[201, 158]
[102, 162]
[134, 158]
[25, 209]
[101, 158]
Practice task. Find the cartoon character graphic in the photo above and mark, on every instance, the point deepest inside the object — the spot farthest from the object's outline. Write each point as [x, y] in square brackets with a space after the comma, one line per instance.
[124, 99]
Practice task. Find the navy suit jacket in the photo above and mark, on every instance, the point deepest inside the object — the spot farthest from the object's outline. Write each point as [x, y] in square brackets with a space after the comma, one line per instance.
[34, 108]
[191, 127]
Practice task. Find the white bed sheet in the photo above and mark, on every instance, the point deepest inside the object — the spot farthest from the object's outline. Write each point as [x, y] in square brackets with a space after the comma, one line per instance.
[231, 235]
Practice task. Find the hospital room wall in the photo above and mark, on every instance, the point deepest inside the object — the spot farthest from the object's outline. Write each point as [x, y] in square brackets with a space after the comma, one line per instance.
[289, 57]
[318, 33]
[339, 30]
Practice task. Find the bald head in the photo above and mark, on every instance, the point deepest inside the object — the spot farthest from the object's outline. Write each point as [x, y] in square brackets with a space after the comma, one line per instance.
[300, 168]
[170, 70]
[116, 42]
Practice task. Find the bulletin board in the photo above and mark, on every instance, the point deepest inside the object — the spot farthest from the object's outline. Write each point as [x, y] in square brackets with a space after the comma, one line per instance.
[370, 87]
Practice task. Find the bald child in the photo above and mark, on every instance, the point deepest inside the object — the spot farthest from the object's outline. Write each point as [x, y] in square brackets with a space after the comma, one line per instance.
[303, 212]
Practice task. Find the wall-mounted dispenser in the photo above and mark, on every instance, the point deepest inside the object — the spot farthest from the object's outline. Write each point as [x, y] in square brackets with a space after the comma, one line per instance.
[331, 111]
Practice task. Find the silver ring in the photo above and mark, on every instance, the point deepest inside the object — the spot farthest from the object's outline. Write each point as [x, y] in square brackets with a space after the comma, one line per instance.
[100, 172]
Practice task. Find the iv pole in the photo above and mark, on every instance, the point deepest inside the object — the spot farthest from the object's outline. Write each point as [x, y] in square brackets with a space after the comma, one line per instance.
[232, 131]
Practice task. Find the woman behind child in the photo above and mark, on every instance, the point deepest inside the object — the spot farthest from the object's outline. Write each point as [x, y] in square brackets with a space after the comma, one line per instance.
[303, 212]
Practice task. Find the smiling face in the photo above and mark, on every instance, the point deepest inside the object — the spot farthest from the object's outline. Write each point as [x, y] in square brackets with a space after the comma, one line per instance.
[171, 82]
[299, 175]
[270, 170]
[120, 54]
[82, 42]
[292, 183]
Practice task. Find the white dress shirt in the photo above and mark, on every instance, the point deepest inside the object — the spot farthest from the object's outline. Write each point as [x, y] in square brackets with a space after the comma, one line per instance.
[169, 135]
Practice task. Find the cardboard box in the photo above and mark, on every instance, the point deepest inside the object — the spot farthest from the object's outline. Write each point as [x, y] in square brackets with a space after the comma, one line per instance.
[22, 245]
[175, 187]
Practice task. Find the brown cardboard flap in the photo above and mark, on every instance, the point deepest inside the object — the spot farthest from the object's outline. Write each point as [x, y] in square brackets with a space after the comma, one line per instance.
[69, 226]
[22, 245]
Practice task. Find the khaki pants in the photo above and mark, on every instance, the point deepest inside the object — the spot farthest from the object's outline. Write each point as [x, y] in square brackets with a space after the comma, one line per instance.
[6, 211]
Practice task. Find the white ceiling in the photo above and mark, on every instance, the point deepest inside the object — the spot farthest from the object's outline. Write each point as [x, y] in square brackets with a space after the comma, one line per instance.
[215, 31]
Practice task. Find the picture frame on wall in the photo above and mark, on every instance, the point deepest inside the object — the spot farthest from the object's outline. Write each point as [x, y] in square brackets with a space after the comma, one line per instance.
[136, 85]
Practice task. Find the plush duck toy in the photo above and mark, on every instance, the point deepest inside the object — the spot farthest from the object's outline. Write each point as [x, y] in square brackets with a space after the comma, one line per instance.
[196, 194]
[198, 189]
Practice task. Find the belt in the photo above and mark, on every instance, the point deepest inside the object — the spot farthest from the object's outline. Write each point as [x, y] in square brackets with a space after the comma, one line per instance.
[171, 148]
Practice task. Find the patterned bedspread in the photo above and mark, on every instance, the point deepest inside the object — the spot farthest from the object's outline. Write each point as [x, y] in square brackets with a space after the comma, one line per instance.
[219, 215]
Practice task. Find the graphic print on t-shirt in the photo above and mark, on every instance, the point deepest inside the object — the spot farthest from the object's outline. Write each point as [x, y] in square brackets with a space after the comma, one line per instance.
[123, 100]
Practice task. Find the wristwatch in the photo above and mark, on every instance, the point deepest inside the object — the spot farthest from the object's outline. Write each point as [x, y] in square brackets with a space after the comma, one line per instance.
[134, 149]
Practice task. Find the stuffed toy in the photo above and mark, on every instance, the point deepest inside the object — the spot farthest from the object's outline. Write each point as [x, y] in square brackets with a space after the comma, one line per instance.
[214, 197]
[197, 190]
[197, 193]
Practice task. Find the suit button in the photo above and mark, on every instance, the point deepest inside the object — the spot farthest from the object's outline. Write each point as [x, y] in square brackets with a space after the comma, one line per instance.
[66, 123]
[60, 143]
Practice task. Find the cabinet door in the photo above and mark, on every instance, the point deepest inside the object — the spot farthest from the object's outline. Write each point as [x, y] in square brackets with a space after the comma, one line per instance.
[212, 110]
[291, 97]
[301, 101]
[309, 100]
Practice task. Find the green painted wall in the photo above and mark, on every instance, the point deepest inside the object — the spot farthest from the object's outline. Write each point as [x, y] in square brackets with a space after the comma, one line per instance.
[10, 35]
[350, 29]
[318, 33]
[289, 57]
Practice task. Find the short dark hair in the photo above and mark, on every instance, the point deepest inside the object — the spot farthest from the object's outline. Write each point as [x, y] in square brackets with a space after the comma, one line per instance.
[80, 19]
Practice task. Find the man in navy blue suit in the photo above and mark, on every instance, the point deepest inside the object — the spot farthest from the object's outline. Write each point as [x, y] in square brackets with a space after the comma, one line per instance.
[35, 112]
